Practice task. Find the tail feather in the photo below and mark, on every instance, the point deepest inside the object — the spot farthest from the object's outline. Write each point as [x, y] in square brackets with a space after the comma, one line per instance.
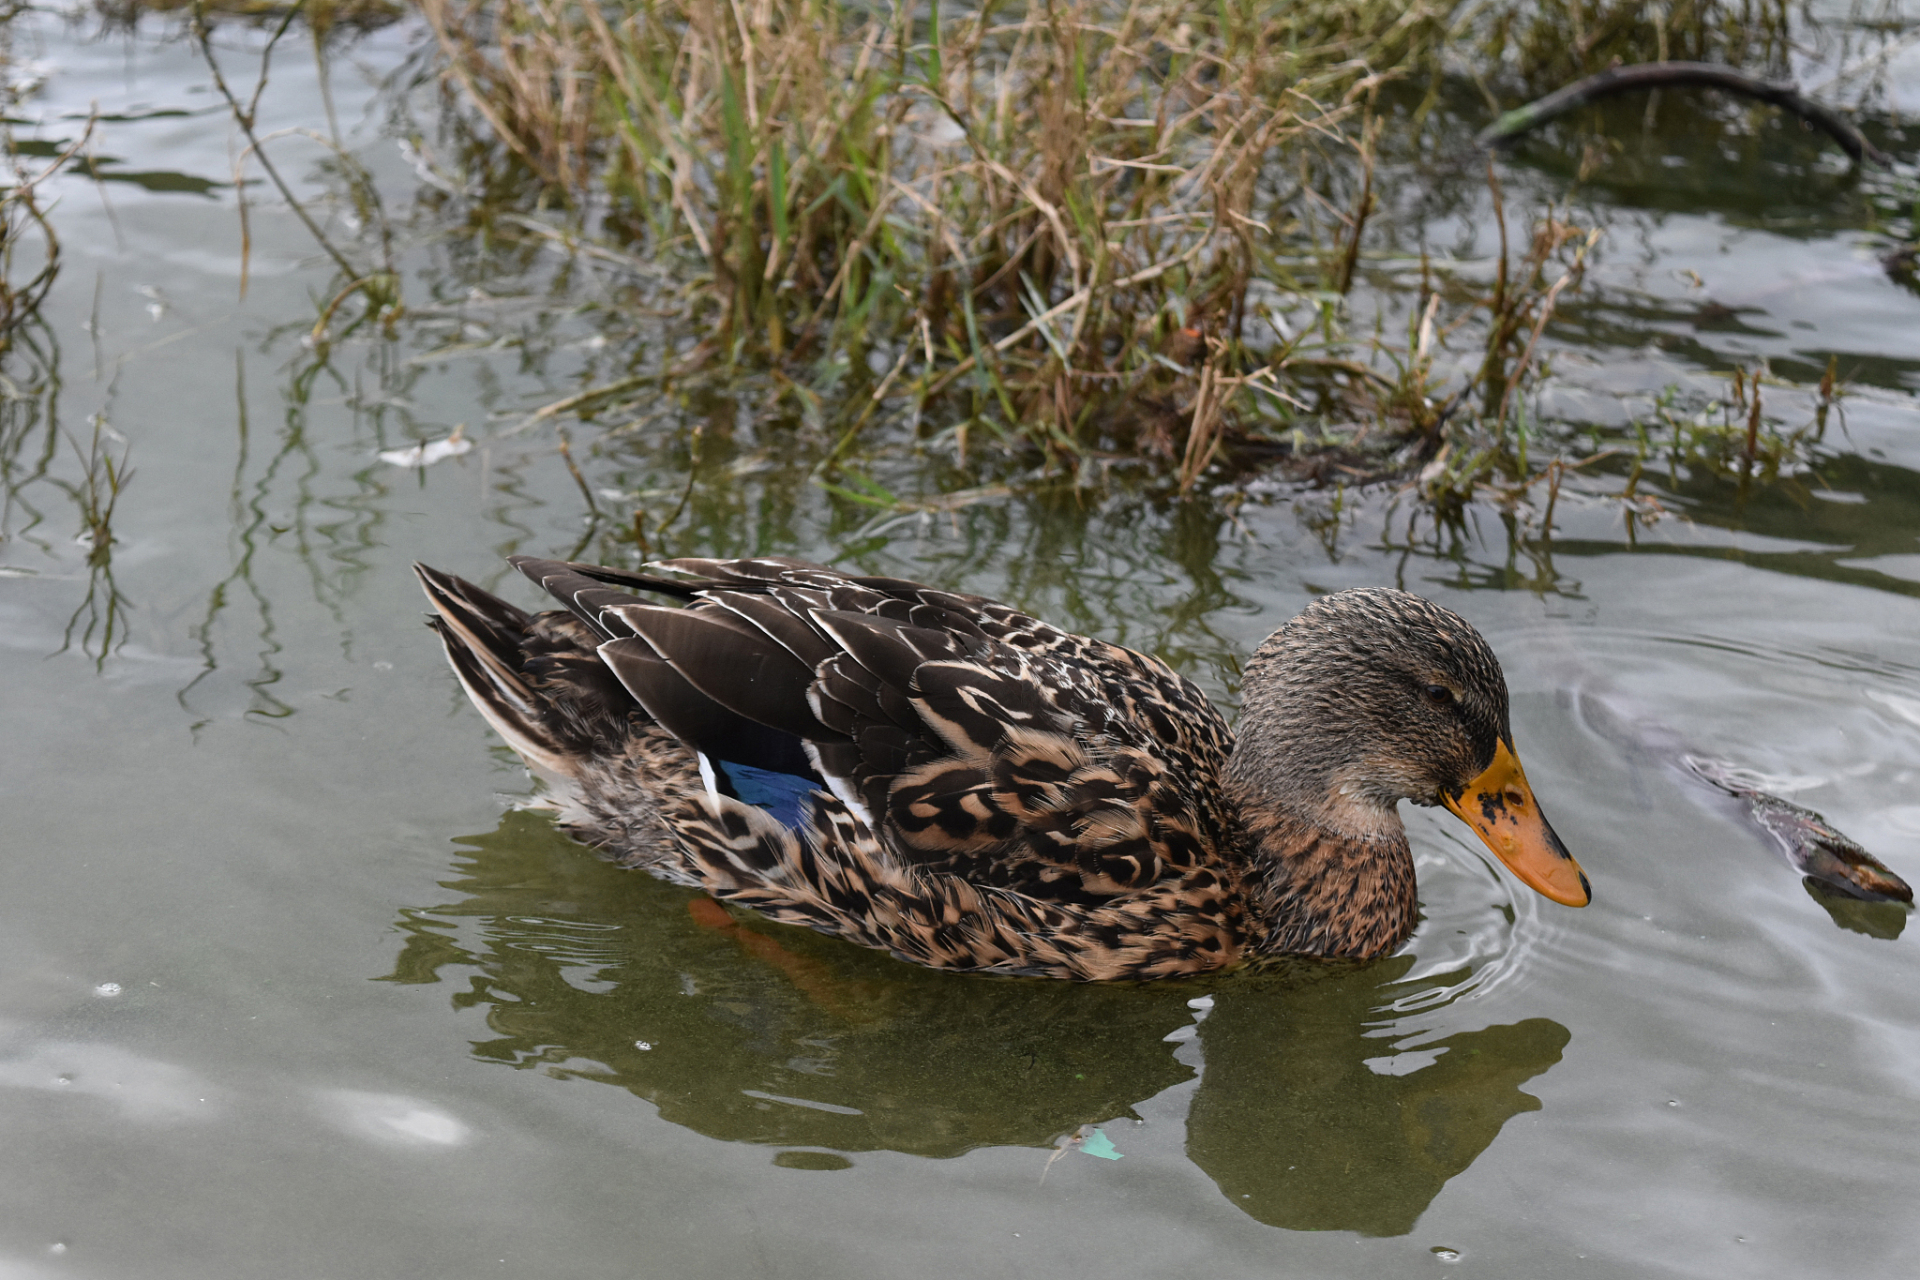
[486, 640]
[489, 631]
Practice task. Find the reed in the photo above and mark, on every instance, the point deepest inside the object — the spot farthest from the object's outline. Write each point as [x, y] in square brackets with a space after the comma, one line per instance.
[1040, 210]
[1077, 227]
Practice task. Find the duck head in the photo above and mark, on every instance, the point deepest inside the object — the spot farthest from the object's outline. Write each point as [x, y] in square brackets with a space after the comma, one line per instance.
[1374, 696]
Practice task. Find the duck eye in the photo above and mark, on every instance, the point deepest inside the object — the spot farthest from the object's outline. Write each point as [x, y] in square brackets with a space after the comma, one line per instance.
[1438, 694]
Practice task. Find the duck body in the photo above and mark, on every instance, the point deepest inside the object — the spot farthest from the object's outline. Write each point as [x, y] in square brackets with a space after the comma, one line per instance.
[943, 777]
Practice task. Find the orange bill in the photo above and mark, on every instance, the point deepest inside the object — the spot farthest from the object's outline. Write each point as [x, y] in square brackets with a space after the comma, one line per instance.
[1500, 807]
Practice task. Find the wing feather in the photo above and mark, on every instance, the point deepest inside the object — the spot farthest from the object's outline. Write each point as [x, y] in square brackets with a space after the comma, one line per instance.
[971, 738]
[694, 718]
[789, 630]
[734, 663]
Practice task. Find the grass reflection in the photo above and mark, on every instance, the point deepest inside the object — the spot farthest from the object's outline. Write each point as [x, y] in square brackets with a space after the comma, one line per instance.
[1872, 513]
[283, 498]
[34, 466]
[1304, 1115]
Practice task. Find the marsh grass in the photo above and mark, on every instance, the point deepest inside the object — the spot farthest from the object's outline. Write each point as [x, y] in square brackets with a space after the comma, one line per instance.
[96, 492]
[1048, 218]
[1079, 231]
[24, 287]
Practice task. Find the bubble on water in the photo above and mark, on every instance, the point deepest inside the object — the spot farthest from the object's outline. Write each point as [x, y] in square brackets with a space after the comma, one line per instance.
[642, 1045]
[107, 989]
[1445, 1254]
[1673, 1102]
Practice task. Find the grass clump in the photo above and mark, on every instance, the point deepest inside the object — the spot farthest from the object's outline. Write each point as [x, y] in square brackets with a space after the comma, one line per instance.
[1087, 229]
[1055, 214]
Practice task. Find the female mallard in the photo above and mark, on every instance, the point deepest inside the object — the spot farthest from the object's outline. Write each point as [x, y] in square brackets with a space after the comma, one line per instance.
[945, 778]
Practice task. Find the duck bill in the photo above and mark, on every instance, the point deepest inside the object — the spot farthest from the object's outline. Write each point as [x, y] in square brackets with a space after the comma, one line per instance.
[1500, 807]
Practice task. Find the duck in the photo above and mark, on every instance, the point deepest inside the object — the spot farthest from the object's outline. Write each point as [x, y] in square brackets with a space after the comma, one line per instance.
[946, 778]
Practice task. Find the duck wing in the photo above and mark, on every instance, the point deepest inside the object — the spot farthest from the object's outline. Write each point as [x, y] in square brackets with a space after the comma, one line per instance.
[960, 736]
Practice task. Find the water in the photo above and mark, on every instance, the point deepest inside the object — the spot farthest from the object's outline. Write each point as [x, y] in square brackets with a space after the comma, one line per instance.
[288, 985]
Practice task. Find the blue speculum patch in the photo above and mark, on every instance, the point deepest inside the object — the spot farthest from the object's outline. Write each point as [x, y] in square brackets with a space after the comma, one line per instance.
[780, 794]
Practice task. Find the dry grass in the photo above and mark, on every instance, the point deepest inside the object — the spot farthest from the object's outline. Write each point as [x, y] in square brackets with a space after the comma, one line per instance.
[1050, 211]
[21, 220]
[1086, 228]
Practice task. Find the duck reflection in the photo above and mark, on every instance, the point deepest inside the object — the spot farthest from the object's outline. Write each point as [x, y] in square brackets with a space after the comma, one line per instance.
[1883, 920]
[750, 1032]
[1307, 1122]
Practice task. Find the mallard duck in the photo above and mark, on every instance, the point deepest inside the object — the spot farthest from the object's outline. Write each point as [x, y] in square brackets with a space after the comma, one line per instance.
[946, 778]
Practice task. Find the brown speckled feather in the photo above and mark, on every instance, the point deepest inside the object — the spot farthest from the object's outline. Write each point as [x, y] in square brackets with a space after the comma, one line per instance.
[936, 775]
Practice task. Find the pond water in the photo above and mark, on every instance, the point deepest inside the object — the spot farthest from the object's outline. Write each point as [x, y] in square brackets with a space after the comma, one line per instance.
[290, 986]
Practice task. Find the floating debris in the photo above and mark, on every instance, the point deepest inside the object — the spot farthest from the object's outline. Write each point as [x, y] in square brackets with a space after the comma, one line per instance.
[425, 455]
[1811, 845]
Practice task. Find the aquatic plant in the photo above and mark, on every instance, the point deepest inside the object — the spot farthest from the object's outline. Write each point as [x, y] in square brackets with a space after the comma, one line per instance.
[1080, 230]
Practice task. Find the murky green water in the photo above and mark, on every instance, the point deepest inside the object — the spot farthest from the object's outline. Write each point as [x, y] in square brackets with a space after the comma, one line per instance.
[288, 987]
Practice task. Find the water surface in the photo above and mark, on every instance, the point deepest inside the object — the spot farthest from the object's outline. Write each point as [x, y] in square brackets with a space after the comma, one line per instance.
[289, 985]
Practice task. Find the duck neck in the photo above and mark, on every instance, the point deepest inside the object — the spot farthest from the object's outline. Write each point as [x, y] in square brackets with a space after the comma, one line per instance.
[1326, 887]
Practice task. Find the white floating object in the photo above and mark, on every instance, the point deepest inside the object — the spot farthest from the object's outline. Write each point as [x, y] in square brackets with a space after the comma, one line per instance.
[425, 455]
[107, 989]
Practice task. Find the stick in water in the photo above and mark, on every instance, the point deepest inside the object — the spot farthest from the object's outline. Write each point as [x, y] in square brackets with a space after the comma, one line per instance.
[1681, 75]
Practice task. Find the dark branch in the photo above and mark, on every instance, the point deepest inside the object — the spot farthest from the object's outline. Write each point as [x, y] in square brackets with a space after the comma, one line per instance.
[1681, 75]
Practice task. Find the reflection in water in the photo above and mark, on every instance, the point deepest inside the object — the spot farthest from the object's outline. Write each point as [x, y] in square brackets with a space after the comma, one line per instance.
[1304, 1123]
[281, 498]
[763, 1034]
[748, 1032]
[34, 467]
[1884, 920]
